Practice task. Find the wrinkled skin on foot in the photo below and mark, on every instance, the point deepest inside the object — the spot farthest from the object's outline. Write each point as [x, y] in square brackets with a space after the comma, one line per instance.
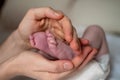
[48, 43]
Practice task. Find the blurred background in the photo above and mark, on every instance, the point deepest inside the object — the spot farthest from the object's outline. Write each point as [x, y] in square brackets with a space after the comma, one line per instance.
[105, 13]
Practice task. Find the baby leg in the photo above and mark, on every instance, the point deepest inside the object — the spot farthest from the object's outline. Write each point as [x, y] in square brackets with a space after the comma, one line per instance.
[97, 39]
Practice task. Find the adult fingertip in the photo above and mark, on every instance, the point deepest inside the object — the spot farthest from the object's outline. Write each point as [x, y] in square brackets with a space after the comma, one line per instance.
[52, 13]
[84, 41]
[57, 14]
[61, 66]
[68, 38]
[67, 66]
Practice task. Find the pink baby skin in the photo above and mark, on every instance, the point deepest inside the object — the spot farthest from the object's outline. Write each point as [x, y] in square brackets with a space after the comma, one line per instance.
[47, 43]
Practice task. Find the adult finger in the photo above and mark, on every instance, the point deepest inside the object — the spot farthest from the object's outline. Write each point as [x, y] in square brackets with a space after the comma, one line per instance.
[75, 43]
[61, 66]
[84, 41]
[56, 29]
[67, 28]
[79, 59]
[89, 58]
[47, 12]
[45, 65]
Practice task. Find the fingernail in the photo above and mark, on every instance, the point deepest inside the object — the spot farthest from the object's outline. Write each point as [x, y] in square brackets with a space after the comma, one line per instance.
[67, 66]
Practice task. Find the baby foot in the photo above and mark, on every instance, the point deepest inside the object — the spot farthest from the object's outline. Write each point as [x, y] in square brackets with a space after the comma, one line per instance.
[39, 41]
[58, 47]
[47, 43]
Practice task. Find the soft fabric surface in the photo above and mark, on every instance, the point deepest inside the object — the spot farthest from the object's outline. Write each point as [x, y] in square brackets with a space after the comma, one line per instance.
[114, 45]
[94, 70]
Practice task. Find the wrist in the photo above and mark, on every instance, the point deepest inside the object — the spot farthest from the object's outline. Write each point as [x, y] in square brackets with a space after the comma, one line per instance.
[18, 40]
[11, 47]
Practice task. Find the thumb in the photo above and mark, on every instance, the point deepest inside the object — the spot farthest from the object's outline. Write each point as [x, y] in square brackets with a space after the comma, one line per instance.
[46, 65]
[60, 65]
[46, 12]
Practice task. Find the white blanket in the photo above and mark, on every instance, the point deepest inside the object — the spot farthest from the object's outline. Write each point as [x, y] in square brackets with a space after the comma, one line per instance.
[94, 70]
[114, 45]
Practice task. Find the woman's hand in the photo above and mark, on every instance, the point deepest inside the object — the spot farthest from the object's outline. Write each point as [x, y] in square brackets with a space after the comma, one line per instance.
[20, 61]
[18, 41]
[39, 19]
[34, 65]
[35, 20]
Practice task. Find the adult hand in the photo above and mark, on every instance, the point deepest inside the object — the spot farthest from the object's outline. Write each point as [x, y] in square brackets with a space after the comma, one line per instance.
[79, 62]
[34, 65]
[39, 18]
[32, 22]
[35, 20]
